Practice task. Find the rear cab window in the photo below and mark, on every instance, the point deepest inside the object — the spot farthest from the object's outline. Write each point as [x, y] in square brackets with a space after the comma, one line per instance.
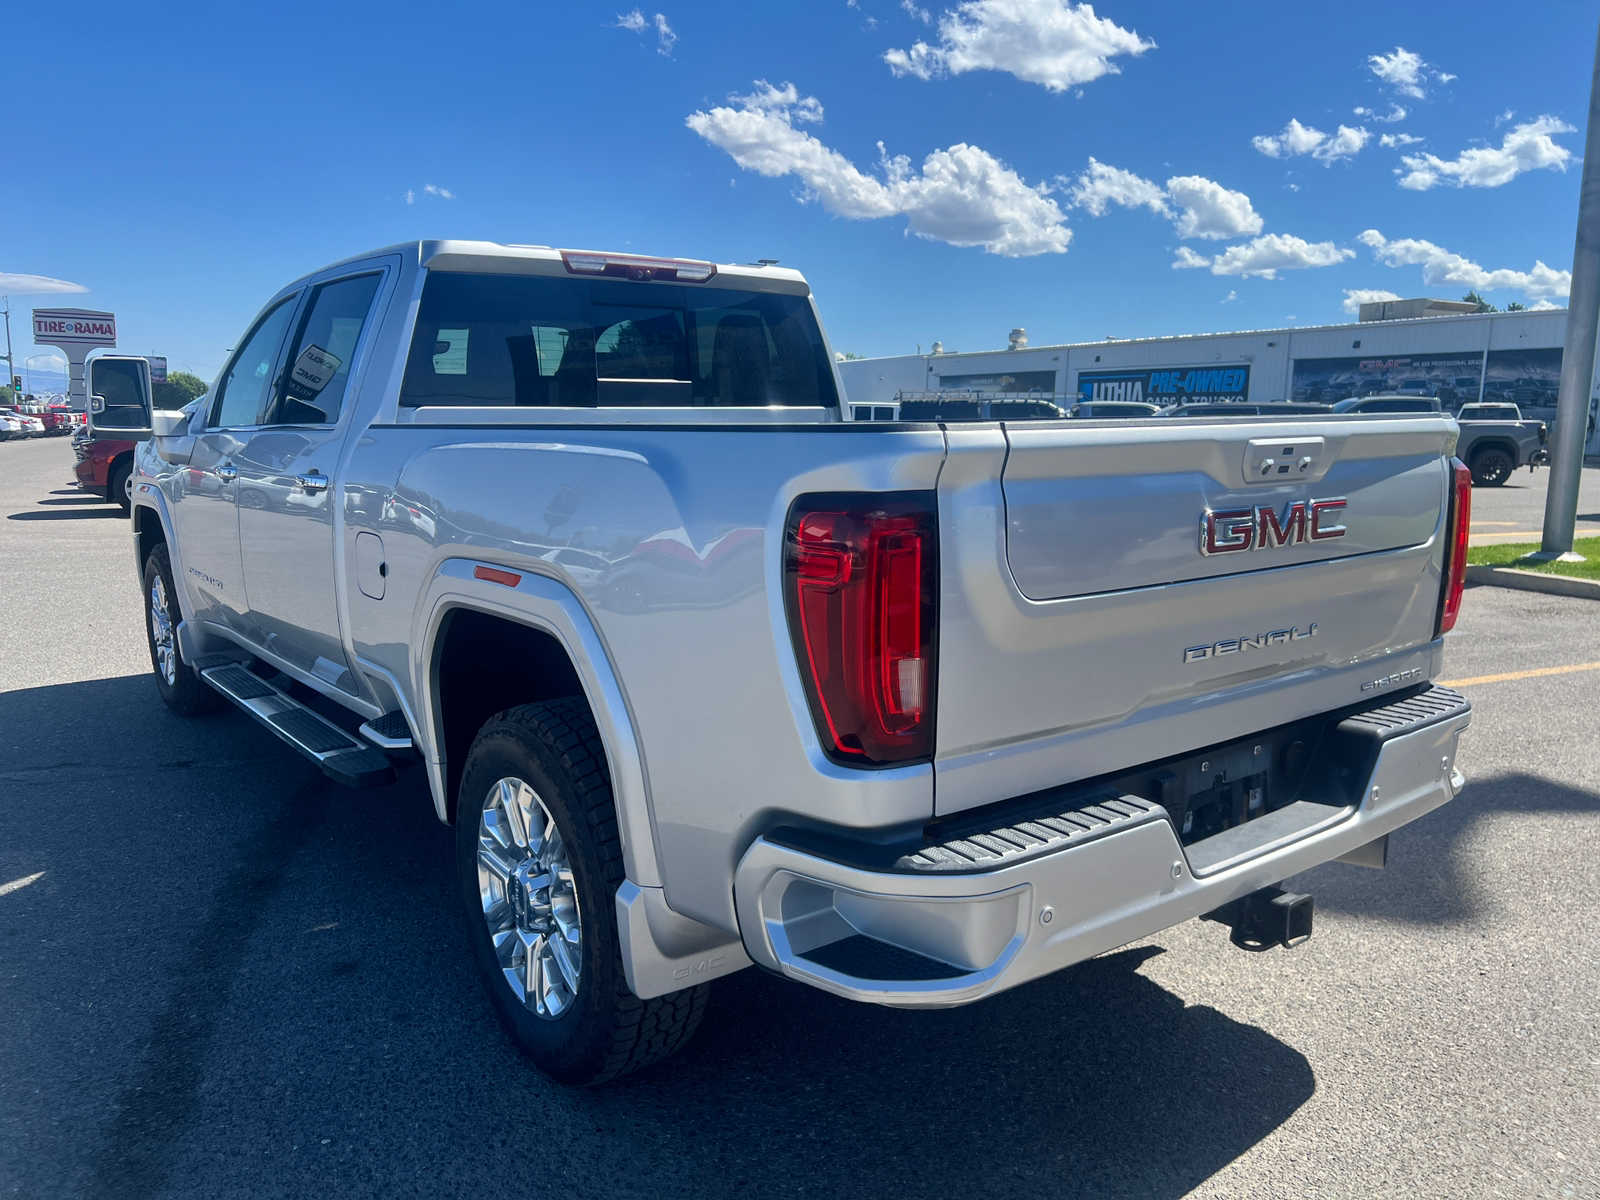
[485, 340]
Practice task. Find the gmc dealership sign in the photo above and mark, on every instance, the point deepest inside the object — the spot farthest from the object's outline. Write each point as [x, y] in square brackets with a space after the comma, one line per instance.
[74, 327]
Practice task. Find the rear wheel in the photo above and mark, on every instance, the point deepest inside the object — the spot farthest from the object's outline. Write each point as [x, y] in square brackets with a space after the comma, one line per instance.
[1491, 467]
[184, 692]
[539, 862]
[119, 487]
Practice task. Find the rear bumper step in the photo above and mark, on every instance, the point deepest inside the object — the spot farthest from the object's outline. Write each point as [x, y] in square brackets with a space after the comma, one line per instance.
[340, 756]
[977, 909]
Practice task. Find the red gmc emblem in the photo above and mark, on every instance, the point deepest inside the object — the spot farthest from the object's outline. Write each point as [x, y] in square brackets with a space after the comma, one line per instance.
[1263, 528]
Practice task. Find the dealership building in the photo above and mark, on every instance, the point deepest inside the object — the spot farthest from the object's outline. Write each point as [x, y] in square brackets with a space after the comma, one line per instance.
[1456, 356]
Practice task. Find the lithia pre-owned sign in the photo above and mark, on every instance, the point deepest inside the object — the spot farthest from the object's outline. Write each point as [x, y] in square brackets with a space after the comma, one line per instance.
[74, 327]
[1166, 385]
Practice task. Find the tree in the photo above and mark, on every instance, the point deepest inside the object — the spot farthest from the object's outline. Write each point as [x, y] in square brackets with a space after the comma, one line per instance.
[847, 356]
[177, 389]
[1472, 297]
[1516, 306]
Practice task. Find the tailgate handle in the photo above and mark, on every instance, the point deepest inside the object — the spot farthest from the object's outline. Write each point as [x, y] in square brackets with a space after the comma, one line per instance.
[1285, 460]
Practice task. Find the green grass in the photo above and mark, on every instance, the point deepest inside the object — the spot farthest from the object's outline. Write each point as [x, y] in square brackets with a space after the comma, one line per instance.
[1516, 555]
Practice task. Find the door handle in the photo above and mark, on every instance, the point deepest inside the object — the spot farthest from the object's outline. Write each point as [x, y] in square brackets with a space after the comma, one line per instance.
[313, 482]
[227, 472]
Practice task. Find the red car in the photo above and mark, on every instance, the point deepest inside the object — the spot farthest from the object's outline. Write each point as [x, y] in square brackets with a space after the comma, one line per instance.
[105, 467]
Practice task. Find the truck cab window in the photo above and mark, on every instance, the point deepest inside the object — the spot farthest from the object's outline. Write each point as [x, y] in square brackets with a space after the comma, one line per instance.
[317, 370]
[242, 394]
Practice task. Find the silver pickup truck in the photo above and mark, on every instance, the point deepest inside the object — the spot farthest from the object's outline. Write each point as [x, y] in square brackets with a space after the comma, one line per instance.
[705, 674]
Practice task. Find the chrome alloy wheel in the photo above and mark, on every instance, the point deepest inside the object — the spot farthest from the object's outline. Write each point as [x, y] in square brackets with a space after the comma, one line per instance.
[161, 631]
[529, 901]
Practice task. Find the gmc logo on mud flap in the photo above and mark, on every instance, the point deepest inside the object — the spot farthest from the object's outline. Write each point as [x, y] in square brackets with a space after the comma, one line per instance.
[1262, 528]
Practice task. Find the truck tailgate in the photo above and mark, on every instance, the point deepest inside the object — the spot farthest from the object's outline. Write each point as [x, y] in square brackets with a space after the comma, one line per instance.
[1093, 619]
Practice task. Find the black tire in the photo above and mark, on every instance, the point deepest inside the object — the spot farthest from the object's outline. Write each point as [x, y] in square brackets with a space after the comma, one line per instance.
[185, 693]
[117, 484]
[606, 1031]
[1491, 467]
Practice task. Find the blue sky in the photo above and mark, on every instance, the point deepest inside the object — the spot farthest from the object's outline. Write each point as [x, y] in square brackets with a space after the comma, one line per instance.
[182, 163]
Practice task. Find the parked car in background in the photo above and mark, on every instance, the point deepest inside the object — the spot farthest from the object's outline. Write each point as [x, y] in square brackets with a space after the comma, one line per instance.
[1496, 440]
[1388, 402]
[1113, 410]
[16, 425]
[1229, 408]
[104, 465]
[1489, 411]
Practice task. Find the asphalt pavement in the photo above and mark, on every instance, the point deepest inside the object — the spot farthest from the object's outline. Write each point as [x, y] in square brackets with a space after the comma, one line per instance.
[1514, 512]
[221, 975]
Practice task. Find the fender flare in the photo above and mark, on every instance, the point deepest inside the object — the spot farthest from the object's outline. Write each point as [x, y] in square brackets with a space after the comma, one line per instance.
[547, 605]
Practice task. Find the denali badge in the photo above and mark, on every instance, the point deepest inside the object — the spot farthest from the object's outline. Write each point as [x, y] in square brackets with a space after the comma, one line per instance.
[1262, 528]
[1257, 641]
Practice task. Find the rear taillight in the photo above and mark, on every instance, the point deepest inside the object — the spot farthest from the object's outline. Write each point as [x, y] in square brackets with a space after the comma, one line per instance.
[1457, 528]
[861, 588]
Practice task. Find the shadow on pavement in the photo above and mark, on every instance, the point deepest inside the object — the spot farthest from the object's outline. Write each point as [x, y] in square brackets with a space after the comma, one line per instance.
[104, 510]
[313, 1026]
[1430, 877]
[80, 498]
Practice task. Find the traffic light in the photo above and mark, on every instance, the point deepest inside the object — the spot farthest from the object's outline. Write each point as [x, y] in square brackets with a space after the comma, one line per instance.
[16, 384]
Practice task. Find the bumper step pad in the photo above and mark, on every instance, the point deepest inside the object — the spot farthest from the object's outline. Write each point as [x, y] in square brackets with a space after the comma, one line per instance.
[1042, 834]
[340, 756]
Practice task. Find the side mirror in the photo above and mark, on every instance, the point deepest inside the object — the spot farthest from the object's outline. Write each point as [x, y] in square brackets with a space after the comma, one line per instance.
[166, 422]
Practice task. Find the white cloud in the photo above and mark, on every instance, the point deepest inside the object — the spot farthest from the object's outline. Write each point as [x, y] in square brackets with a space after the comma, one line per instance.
[1525, 147]
[1397, 112]
[1441, 266]
[961, 195]
[1101, 185]
[411, 196]
[1398, 140]
[634, 21]
[1407, 72]
[1544, 306]
[1304, 139]
[1209, 210]
[1198, 207]
[665, 38]
[430, 189]
[917, 13]
[1354, 298]
[1265, 256]
[36, 285]
[1187, 259]
[1054, 43]
[1230, 297]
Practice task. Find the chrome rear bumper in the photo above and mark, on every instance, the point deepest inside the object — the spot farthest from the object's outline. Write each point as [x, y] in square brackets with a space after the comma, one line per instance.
[937, 937]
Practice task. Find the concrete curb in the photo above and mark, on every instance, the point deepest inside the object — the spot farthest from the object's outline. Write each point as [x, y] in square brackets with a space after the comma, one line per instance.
[1534, 581]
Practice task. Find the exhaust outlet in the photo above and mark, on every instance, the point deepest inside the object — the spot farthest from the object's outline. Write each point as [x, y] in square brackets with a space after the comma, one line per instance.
[1266, 918]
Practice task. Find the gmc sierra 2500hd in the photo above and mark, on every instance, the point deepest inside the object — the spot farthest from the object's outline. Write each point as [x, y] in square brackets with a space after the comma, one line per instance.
[706, 674]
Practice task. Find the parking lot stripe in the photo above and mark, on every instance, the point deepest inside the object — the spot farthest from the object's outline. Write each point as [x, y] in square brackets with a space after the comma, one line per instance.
[1532, 673]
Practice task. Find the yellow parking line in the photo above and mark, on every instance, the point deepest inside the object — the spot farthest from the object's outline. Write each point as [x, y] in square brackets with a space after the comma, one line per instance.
[1532, 673]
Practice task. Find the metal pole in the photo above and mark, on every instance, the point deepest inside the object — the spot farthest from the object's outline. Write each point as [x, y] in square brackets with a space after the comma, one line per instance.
[11, 367]
[1577, 362]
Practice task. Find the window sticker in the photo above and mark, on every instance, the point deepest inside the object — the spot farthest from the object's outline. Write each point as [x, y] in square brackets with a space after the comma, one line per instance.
[314, 369]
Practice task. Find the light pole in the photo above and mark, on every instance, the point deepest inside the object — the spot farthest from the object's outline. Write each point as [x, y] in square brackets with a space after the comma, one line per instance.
[1577, 362]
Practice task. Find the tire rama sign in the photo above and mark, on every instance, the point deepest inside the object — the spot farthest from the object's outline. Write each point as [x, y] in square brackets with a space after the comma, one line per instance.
[74, 327]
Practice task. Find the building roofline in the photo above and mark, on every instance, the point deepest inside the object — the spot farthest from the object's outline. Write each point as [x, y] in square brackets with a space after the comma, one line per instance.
[1431, 322]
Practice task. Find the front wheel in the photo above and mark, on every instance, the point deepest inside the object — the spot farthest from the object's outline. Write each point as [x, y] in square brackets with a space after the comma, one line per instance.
[1491, 468]
[119, 487]
[539, 862]
[184, 692]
